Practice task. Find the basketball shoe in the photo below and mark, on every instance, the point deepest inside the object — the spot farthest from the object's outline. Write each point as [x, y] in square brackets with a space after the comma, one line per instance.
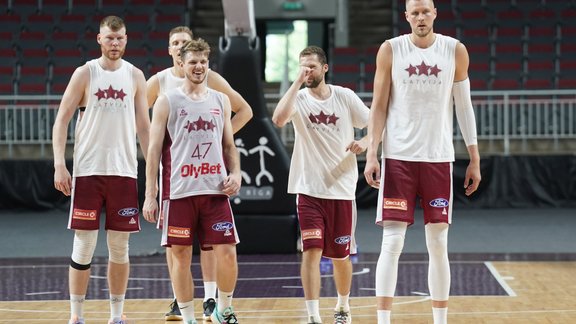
[226, 317]
[174, 312]
[208, 306]
[342, 317]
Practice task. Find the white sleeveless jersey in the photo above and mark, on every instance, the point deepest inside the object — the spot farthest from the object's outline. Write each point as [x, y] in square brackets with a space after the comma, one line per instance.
[192, 158]
[419, 125]
[321, 167]
[106, 138]
[167, 80]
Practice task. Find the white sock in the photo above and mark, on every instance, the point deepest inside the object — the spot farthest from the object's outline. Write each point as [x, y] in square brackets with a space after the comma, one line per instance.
[210, 290]
[440, 315]
[116, 306]
[224, 300]
[343, 302]
[313, 308]
[187, 310]
[383, 316]
[77, 305]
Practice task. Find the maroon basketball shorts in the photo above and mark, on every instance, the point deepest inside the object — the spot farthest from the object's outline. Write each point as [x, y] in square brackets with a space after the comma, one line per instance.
[327, 224]
[403, 182]
[208, 216]
[118, 194]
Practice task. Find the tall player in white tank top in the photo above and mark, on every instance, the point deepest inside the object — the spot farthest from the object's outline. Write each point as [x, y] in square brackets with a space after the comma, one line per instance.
[171, 78]
[191, 127]
[419, 78]
[105, 162]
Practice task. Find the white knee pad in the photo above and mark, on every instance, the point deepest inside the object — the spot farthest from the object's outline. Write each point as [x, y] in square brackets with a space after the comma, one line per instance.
[118, 246]
[393, 234]
[83, 247]
[439, 267]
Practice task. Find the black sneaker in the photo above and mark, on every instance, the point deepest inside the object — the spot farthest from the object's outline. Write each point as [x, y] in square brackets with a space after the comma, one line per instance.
[174, 312]
[208, 306]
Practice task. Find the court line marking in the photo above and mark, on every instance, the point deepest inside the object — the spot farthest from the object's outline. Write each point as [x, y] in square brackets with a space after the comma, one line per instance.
[357, 273]
[500, 279]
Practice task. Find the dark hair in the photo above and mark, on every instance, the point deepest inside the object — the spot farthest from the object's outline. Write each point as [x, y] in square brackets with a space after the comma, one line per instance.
[195, 45]
[311, 50]
[113, 22]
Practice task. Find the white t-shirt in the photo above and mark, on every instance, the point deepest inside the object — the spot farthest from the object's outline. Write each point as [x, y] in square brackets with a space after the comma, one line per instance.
[321, 167]
[420, 113]
[106, 137]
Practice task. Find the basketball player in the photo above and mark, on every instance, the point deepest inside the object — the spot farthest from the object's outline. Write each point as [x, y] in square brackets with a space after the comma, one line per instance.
[323, 174]
[171, 78]
[105, 162]
[193, 123]
[419, 76]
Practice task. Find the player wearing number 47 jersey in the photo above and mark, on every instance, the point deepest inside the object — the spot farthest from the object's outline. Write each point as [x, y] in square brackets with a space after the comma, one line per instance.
[192, 131]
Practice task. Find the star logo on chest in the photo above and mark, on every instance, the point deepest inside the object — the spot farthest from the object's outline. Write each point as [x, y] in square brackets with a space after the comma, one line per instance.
[322, 118]
[423, 69]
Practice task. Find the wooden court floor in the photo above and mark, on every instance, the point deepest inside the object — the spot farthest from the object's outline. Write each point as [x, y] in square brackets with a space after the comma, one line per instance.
[539, 292]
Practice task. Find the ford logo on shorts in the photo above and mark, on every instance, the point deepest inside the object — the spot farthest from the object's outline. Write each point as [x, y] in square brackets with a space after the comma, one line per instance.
[439, 203]
[128, 212]
[223, 226]
[343, 240]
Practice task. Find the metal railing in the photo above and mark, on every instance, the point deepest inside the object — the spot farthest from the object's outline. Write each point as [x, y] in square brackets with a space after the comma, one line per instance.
[505, 119]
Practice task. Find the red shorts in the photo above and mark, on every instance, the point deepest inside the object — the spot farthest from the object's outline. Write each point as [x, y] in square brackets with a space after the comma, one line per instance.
[119, 194]
[208, 216]
[403, 181]
[327, 224]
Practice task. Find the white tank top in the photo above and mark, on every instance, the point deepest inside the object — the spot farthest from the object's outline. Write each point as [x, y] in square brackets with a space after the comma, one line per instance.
[106, 137]
[419, 125]
[321, 167]
[192, 158]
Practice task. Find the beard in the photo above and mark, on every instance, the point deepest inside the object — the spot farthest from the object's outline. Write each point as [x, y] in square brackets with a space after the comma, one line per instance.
[195, 80]
[116, 56]
[315, 82]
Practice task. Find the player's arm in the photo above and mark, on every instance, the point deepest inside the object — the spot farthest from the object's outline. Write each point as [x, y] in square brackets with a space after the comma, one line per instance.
[240, 107]
[231, 184]
[157, 131]
[285, 106]
[466, 119]
[142, 114]
[73, 98]
[378, 112]
[152, 90]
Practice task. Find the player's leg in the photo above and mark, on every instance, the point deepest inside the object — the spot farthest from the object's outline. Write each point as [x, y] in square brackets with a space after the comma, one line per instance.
[437, 187]
[339, 244]
[209, 274]
[227, 275]
[396, 198]
[173, 313]
[79, 272]
[86, 204]
[310, 276]
[122, 218]
[393, 234]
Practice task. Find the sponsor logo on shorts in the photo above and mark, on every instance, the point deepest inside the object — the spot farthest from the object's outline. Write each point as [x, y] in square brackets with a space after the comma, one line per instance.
[128, 212]
[179, 232]
[439, 203]
[223, 226]
[342, 240]
[308, 234]
[394, 203]
[132, 221]
[84, 214]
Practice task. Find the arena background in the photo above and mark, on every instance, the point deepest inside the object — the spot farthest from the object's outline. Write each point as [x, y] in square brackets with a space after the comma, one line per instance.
[513, 238]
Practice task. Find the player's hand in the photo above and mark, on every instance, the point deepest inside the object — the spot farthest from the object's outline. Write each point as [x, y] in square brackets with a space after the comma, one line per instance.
[356, 147]
[150, 209]
[372, 172]
[473, 178]
[231, 184]
[303, 74]
[62, 180]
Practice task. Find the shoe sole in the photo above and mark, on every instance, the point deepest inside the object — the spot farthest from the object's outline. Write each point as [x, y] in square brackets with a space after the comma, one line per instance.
[173, 318]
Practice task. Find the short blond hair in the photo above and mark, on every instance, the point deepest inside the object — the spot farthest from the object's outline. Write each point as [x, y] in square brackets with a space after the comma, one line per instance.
[115, 23]
[195, 45]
